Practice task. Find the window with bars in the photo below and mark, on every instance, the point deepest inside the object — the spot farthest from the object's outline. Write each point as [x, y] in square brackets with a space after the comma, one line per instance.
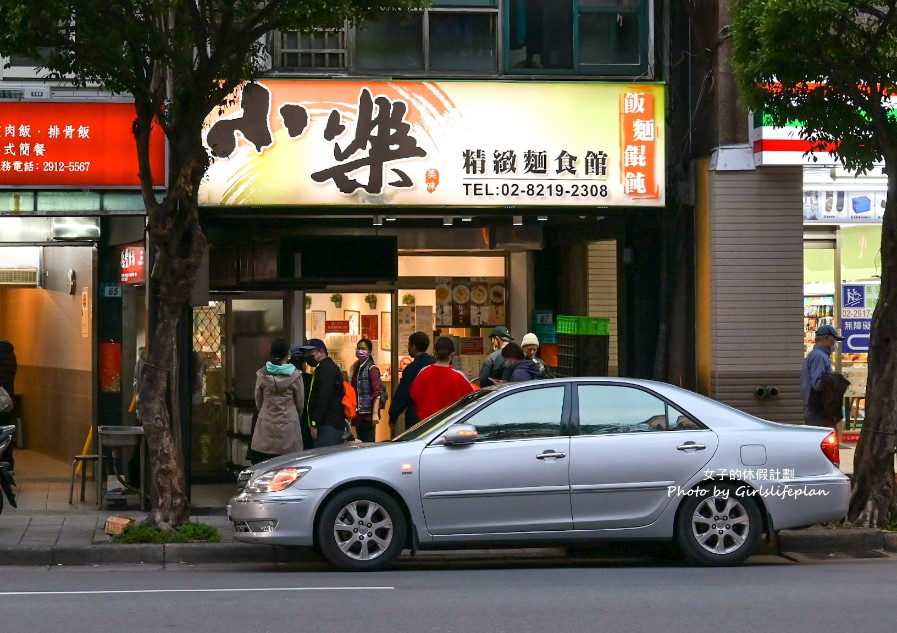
[311, 50]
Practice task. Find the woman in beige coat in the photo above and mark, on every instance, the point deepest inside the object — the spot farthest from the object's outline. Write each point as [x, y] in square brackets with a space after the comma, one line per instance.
[279, 398]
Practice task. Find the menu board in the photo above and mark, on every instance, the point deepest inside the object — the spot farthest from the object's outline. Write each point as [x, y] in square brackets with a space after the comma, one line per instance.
[470, 302]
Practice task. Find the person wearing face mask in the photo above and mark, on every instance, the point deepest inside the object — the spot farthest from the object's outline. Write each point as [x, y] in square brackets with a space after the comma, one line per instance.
[297, 360]
[494, 366]
[325, 402]
[817, 365]
[530, 345]
[369, 390]
[280, 400]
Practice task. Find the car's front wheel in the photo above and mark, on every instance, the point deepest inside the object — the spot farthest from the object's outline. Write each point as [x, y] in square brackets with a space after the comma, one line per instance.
[718, 526]
[361, 529]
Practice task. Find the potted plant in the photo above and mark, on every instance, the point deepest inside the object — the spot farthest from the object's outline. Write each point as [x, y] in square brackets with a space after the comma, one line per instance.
[371, 300]
[307, 302]
[337, 299]
[408, 299]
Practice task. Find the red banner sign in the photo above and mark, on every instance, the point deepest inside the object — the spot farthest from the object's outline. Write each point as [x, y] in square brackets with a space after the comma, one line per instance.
[336, 327]
[63, 144]
[131, 264]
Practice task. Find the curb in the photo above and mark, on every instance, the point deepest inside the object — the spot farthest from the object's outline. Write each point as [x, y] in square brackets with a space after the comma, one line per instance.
[822, 540]
[806, 541]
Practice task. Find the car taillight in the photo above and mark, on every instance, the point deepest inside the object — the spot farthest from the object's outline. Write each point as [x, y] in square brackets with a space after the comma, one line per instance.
[830, 448]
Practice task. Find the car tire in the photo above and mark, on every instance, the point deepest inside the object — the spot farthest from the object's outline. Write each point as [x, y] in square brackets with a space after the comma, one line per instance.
[716, 526]
[361, 529]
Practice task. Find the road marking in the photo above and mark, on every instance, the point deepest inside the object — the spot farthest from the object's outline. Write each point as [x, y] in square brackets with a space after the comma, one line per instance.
[112, 591]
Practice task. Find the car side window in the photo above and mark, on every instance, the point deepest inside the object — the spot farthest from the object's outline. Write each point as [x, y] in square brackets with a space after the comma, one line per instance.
[605, 409]
[521, 415]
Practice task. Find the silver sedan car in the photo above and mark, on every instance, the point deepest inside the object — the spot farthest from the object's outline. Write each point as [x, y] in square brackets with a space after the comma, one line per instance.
[551, 462]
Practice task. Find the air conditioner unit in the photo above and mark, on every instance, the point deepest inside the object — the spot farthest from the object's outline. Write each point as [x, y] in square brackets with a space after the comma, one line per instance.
[23, 277]
[24, 92]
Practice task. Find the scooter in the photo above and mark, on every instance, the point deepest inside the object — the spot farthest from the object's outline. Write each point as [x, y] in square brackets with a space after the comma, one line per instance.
[6, 480]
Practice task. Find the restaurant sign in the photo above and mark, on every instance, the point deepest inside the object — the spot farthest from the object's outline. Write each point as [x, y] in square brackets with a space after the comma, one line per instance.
[442, 144]
[73, 144]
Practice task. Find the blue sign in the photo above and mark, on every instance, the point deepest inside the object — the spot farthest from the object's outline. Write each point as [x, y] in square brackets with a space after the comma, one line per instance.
[853, 296]
[856, 335]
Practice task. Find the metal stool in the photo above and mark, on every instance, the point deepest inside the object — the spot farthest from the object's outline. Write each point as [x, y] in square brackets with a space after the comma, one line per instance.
[84, 460]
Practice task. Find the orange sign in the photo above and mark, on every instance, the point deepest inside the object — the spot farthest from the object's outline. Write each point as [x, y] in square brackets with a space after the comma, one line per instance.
[63, 144]
[638, 142]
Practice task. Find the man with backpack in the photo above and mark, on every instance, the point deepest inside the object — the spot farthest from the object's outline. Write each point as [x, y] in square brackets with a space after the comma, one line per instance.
[325, 401]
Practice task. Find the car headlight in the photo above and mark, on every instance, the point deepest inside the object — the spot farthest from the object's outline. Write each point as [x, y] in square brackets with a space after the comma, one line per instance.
[275, 480]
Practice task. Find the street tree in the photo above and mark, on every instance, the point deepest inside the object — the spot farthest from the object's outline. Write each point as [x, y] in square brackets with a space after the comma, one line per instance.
[831, 65]
[179, 60]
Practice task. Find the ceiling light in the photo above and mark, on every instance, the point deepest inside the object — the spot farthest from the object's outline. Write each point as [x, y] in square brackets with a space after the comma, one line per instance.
[378, 220]
[542, 218]
[447, 220]
[518, 220]
[467, 219]
[390, 219]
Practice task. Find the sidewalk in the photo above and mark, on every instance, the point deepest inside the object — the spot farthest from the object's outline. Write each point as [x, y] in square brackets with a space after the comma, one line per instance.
[46, 530]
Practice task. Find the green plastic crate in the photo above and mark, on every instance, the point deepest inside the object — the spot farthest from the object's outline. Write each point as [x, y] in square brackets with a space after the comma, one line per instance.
[583, 325]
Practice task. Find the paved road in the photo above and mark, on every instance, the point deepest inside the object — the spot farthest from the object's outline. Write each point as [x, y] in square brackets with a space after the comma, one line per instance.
[771, 594]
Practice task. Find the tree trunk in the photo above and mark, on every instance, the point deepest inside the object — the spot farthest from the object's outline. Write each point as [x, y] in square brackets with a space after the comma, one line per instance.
[177, 243]
[873, 482]
[170, 507]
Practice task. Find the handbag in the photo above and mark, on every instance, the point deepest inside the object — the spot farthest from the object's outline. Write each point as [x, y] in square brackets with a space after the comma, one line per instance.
[6, 404]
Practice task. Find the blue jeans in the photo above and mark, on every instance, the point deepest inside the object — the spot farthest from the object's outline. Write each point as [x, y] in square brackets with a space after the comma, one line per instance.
[815, 418]
[328, 436]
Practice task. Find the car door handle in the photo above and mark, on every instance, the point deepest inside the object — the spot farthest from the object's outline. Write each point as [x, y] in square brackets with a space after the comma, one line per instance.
[550, 454]
[691, 445]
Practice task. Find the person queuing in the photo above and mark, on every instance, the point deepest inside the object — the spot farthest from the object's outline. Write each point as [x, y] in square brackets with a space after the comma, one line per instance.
[519, 368]
[494, 366]
[368, 389]
[297, 360]
[280, 400]
[418, 343]
[439, 385]
[530, 345]
[325, 402]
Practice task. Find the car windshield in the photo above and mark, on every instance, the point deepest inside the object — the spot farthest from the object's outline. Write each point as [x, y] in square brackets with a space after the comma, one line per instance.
[424, 427]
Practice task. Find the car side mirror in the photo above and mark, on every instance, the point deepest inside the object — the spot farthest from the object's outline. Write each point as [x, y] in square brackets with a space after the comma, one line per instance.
[460, 434]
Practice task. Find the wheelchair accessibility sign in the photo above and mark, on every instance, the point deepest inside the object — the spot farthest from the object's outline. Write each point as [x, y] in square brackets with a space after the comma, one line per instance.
[858, 301]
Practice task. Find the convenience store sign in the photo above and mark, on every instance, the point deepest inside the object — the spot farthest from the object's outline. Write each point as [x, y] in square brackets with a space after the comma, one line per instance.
[437, 144]
[858, 301]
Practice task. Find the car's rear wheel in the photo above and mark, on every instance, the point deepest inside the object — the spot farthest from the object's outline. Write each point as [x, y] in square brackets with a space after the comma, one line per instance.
[718, 526]
[361, 529]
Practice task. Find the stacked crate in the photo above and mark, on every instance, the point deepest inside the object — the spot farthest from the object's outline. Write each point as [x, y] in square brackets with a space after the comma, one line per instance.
[583, 345]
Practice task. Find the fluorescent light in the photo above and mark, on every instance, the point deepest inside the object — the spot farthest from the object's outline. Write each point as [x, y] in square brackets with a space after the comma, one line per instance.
[542, 218]
[447, 220]
[378, 220]
[466, 219]
[518, 220]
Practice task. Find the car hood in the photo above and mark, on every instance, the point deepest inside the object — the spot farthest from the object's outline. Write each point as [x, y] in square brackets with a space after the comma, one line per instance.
[301, 457]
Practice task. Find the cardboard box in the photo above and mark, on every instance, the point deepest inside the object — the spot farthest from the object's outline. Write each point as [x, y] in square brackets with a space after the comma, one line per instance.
[116, 524]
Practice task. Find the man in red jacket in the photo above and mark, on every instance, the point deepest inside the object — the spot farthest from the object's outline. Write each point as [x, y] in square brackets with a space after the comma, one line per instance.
[439, 385]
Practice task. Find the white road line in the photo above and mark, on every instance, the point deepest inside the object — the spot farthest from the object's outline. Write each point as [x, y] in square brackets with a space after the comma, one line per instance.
[114, 591]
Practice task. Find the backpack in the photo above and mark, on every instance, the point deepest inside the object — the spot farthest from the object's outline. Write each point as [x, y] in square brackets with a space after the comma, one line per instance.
[350, 400]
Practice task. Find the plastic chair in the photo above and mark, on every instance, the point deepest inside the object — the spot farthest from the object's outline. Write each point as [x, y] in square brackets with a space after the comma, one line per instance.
[84, 460]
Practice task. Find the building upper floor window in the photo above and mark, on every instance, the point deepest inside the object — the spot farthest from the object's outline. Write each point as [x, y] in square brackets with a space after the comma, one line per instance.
[482, 37]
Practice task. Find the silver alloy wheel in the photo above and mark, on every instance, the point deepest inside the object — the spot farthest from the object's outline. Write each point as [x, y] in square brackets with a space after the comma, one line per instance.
[720, 524]
[363, 530]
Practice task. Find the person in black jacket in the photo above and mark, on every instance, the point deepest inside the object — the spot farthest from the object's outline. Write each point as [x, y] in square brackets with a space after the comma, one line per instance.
[8, 368]
[297, 358]
[418, 343]
[325, 402]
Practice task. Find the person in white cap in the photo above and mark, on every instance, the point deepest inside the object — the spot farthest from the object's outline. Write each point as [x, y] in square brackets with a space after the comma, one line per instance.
[530, 345]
